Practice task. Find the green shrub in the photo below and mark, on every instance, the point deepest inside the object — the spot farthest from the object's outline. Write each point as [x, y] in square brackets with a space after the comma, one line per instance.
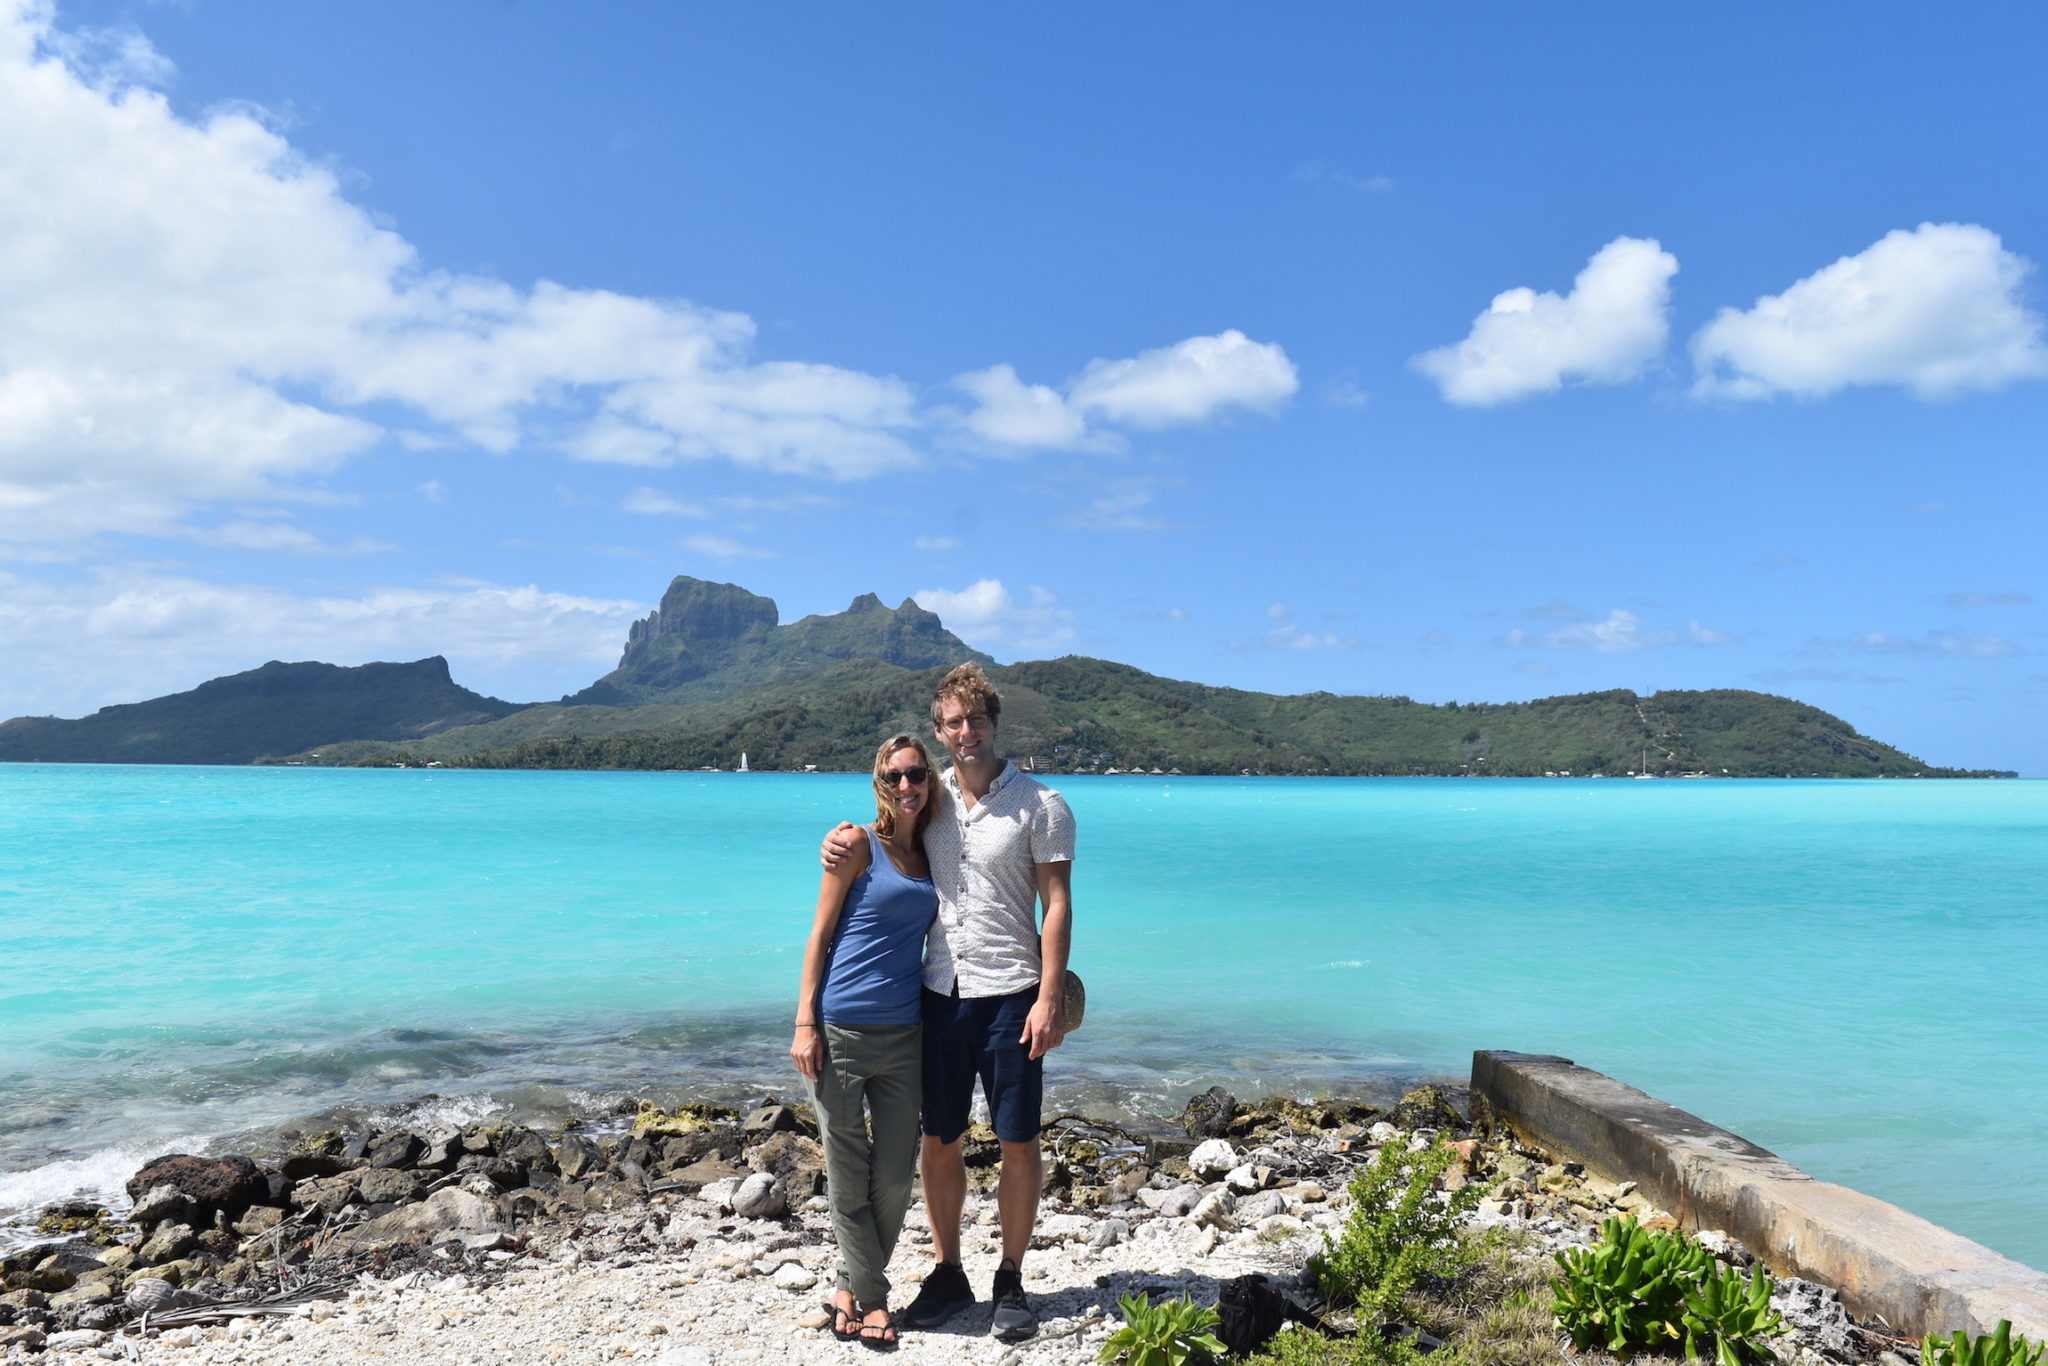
[1732, 1314]
[1636, 1289]
[1628, 1290]
[1169, 1333]
[1398, 1233]
[1989, 1349]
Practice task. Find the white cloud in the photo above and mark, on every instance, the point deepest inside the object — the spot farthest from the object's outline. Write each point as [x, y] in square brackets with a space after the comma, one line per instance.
[1608, 330]
[80, 643]
[1292, 637]
[1621, 633]
[725, 548]
[986, 615]
[1700, 634]
[1822, 676]
[654, 503]
[1278, 611]
[1986, 599]
[1120, 507]
[1322, 173]
[1934, 645]
[247, 534]
[1289, 636]
[433, 491]
[1345, 392]
[1936, 310]
[1015, 414]
[1188, 383]
[194, 311]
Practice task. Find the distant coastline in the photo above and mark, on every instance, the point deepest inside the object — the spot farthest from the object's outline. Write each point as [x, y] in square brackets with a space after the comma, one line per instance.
[710, 675]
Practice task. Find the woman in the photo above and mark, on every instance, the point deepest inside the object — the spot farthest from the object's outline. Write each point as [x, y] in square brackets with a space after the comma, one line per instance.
[857, 1034]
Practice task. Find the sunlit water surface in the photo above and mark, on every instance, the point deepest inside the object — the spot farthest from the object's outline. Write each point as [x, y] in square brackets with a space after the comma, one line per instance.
[1849, 973]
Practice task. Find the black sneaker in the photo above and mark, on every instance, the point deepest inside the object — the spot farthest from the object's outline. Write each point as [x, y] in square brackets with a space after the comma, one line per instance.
[1013, 1320]
[945, 1292]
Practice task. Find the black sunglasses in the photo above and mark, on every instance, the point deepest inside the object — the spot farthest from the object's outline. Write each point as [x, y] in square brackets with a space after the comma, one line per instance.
[892, 777]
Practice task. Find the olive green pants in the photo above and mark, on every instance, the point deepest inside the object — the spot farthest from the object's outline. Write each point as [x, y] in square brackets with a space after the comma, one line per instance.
[867, 1098]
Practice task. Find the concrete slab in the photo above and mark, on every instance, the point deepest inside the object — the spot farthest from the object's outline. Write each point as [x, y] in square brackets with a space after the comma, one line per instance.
[1917, 1277]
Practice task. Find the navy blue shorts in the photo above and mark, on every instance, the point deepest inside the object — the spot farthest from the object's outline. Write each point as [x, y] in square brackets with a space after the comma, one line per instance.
[977, 1037]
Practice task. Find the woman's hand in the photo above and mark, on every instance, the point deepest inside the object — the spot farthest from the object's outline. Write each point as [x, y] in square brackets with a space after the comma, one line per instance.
[807, 1051]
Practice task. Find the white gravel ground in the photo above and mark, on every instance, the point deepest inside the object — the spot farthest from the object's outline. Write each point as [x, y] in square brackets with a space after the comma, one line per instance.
[710, 1290]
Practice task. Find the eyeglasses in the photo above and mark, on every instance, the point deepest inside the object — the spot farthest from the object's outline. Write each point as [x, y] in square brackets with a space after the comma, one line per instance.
[893, 777]
[978, 720]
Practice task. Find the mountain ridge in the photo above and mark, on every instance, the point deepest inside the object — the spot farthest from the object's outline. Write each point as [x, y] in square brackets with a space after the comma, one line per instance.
[706, 639]
[712, 672]
[276, 708]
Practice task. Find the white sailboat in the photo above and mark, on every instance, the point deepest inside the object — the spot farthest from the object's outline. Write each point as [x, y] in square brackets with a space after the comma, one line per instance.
[743, 763]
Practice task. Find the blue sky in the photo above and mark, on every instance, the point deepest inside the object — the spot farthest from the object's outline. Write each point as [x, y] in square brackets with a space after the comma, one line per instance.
[1464, 351]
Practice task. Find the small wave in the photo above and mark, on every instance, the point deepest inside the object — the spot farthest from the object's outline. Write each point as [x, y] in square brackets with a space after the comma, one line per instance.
[454, 1111]
[101, 1177]
[1348, 963]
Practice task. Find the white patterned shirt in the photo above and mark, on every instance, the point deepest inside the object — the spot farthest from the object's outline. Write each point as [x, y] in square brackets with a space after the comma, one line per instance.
[985, 939]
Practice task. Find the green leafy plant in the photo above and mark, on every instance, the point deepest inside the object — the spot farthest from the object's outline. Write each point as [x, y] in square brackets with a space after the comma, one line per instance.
[1998, 1348]
[1639, 1289]
[1169, 1333]
[1398, 1233]
[1731, 1313]
[1628, 1290]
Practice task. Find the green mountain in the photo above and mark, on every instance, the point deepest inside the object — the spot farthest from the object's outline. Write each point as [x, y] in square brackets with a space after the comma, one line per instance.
[707, 639]
[277, 709]
[1089, 715]
[710, 674]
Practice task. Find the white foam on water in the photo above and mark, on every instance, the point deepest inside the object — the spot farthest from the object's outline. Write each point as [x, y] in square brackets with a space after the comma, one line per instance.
[100, 1177]
[455, 1111]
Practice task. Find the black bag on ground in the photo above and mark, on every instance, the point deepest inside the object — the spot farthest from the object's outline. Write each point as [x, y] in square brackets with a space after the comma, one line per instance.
[1250, 1310]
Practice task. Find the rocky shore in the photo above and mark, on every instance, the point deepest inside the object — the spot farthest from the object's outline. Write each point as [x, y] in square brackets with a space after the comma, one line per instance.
[699, 1237]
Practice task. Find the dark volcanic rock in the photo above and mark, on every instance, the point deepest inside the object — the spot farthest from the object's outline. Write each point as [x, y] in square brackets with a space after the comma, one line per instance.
[385, 1186]
[395, 1150]
[684, 1149]
[501, 1173]
[769, 1119]
[527, 1149]
[326, 1194]
[56, 1271]
[223, 1185]
[699, 1174]
[575, 1156]
[798, 1162]
[303, 1165]
[1426, 1107]
[1209, 1114]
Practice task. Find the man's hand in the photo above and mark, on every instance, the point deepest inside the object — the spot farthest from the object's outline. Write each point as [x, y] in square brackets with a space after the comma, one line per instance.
[1045, 1028]
[840, 841]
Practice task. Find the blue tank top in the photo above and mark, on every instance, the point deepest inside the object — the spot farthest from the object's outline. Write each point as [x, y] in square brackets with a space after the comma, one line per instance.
[875, 970]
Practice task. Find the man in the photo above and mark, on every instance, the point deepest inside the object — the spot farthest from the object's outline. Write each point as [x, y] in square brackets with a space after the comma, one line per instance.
[1000, 843]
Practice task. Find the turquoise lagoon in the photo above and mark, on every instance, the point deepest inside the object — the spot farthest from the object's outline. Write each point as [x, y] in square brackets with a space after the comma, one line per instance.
[1849, 973]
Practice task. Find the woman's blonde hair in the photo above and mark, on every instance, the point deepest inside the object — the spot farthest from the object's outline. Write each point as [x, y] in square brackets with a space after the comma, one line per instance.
[885, 794]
